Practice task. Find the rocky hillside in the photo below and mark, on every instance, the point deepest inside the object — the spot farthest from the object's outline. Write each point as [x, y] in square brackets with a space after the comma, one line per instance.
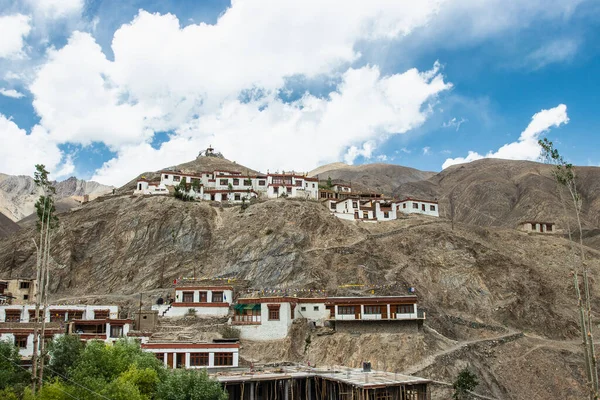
[474, 283]
[7, 226]
[378, 178]
[18, 194]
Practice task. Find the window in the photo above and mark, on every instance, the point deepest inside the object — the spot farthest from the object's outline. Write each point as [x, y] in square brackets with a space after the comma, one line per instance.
[405, 309]
[223, 182]
[313, 185]
[423, 207]
[176, 178]
[372, 309]
[273, 312]
[101, 314]
[298, 183]
[188, 297]
[237, 197]
[25, 297]
[261, 182]
[12, 316]
[365, 215]
[354, 204]
[275, 190]
[223, 359]
[289, 190]
[166, 176]
[247, 182]
[32, 315]
[236, 182]
[306, 184]
[57, 316]
[198, 359]
[217, 297]
[332, 205]
[75, 315]
[203, 297]
[160, 356]
[21, 342]
[548, 227]
[431, 208]
[116, 331]
[346, 310]
[316, 308]
[416, 205]
[386, 214]
[24, 285]
[302, 308]
[404, 205]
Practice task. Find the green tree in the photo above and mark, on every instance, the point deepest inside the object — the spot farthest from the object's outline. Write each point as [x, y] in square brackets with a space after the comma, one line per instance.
[64, 352]
[189, 385]
[12, 376]
[465, 382]
[145, 380]
[329, 183]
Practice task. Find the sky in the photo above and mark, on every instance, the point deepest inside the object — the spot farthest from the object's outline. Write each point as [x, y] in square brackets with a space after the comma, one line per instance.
[106, 90]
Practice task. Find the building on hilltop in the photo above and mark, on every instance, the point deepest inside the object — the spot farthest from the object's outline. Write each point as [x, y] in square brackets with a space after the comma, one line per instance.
[416, 206]
[538, 227]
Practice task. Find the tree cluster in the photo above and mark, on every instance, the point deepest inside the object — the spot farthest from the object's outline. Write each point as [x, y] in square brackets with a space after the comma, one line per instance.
[99, 371]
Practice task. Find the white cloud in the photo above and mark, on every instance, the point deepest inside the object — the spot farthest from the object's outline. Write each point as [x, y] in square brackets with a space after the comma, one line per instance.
[26, 150]
[426, 150]
[55, 9]
[526, 148]
[364, 110]
[556, 51]
[13, 31]
[11, 93]
[454, 123]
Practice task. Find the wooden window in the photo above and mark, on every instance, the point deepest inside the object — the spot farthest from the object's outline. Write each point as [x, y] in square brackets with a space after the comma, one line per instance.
[75, 315]
[236, 182]
[332, 206]
[261, 182]
[21, 342]
[116, 331]
[372, 309]
[423, 207]
[405, 309]
[365, 215]
[403, 205]
[24, 285]
[188, 297]
[101, 314]
[383, 395]
[277, 181]
[548, 227]
[223, 359]
[217, 297]
[313, 185]
[346, 310]
[302, 308]
[416, 205]
[166, 176]
[431, 208]
[32, 315]
[273, 312]
[160, 356]
[12, 316]
[316, 308]
[298, 183]
[354, 204]
[289, 190]
[223, 182]
[237, 197]
[57, 316]
[386, 214]
[275, 190]
[176, 178]
[203, 297]
[200, 359]
[247, 182]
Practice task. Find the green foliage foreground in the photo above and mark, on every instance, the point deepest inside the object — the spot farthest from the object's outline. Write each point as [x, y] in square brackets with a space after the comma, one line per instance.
[98, 371]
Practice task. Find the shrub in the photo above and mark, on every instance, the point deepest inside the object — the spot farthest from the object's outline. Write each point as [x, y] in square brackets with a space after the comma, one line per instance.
[229, 332]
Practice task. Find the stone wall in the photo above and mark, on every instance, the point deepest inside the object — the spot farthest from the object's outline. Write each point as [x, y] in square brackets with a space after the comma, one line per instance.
[363, 327]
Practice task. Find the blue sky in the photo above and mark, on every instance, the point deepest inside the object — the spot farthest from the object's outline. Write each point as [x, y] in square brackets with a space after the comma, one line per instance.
[105, 90]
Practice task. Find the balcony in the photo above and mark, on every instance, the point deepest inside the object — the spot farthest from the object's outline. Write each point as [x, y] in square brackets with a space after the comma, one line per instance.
[246, 320]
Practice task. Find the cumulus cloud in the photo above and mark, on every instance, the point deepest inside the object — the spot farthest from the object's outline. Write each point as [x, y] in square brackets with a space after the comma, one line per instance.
[13, 31]
[54, 9]
[26, 150]
[526, 147]
[348, 123]
[11, 93]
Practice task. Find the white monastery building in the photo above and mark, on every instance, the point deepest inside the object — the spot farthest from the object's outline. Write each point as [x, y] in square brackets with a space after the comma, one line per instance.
[206, 301]
[195, 355]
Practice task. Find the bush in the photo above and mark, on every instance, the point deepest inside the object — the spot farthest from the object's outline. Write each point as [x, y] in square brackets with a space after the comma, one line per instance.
[64, 352]
[191, 312]
[465, 382]
[11, 374]
[189, 385]
[229, 332]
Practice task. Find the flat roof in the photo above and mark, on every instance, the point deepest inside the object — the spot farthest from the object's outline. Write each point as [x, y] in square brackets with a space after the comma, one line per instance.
[351, 376]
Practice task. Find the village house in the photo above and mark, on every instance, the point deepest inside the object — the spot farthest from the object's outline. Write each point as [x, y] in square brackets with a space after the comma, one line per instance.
[17, 291]
[292, 185]
[538, 227]
[338, 190]
[219, 354]
[415, 206]
[90, 322]
[370, 210]
[204, 300]
[146, 187]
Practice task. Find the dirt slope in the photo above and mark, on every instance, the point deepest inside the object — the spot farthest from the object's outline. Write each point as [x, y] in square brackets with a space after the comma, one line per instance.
[7, 226]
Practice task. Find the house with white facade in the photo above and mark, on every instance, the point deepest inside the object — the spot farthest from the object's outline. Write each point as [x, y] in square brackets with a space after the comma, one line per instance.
[204, 300]
[373, 308]
[195, 355]
[292, 185]
[146, 187]
[416, 206]
[264, 318]
[539, 227]
[90, 322]
[367, 210]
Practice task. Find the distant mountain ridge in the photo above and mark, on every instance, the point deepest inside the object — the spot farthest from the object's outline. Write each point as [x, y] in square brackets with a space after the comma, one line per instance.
[18, 194]
[7, 226]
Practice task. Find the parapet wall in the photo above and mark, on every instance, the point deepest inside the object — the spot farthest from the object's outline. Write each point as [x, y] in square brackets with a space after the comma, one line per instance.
[364, 327]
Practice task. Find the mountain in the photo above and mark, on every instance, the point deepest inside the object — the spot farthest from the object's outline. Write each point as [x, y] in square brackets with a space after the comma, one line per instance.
[7, 226]
[493, 192]
[18, 194]
[378, 178]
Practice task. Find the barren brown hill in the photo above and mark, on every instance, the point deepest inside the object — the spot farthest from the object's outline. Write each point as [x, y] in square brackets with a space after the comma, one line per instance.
[492, 295]
[379, 178]
[493, 192]
[7, 226]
